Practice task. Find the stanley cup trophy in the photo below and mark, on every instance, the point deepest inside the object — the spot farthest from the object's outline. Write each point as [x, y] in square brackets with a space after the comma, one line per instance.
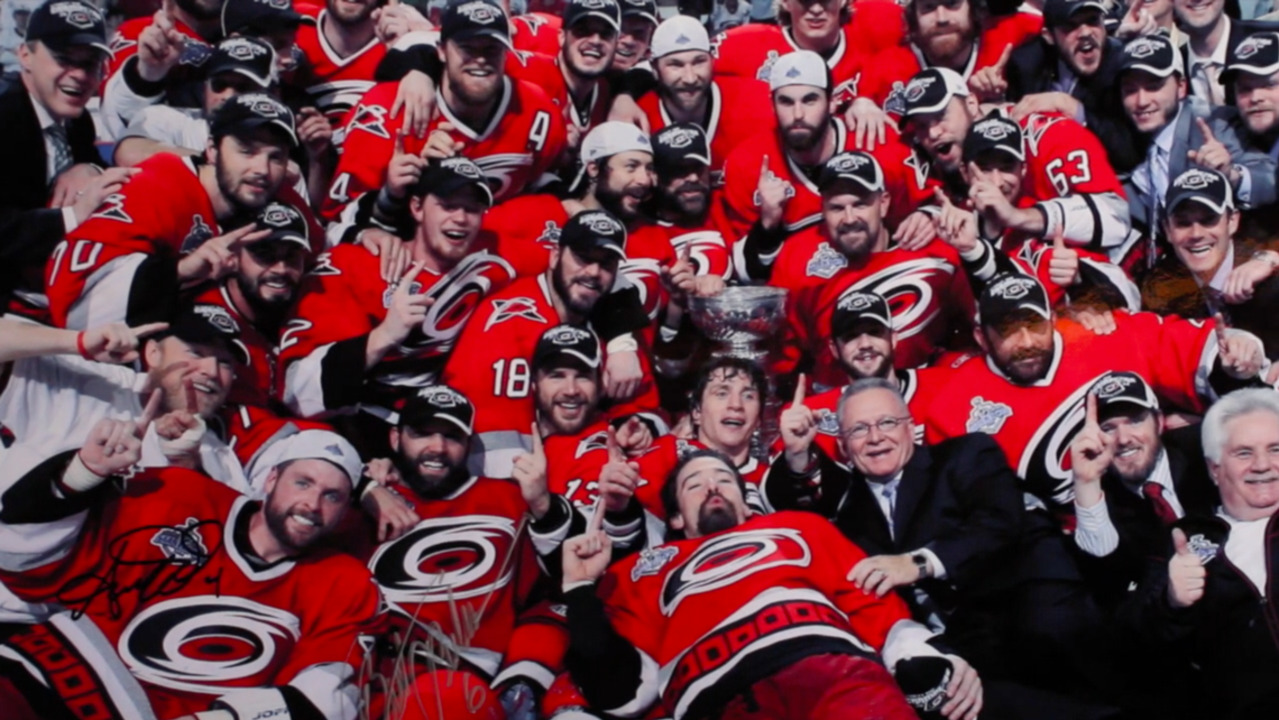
[742, 322]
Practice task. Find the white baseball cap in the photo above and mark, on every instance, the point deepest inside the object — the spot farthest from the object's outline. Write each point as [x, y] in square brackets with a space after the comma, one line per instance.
[802, 67]
[320, 445]
[610, 138]
[677, 34]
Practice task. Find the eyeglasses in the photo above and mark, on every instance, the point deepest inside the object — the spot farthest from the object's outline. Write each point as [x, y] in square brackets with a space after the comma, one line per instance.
[884, 425]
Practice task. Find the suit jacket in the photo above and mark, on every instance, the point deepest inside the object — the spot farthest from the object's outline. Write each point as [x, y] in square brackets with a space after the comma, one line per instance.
[1239, 30]
[1141, 534]
[28, 227]
[1187, 137]
[1034, 69]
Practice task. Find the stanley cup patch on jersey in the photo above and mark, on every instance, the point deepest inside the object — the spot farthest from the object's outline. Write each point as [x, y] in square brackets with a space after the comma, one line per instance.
[183, 543]
[825, 262]
[1202, 547]
[987, 417]
[652, 560]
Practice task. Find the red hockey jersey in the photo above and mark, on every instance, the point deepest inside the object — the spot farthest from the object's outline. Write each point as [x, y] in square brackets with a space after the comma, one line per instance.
[521, 143]
[254, 383]
[332, 82]
[163, 210]
[1064, 158]
[1035, 424]
[344, 298]
[927, 291]
[160, 593]
[706, 610]
[739, 108]
[888, 72]
[537, 32]
[544, 72]
[124, 45]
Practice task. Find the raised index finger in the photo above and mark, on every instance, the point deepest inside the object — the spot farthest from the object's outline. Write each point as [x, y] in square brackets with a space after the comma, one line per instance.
[763, 168]
[1219, 327]
[149, 413]
[538, 451]
[1206, 129]
[1090, 410]
[146, 329]
[799, 391]
[597, 517]
[1008, 53]
[410, 275]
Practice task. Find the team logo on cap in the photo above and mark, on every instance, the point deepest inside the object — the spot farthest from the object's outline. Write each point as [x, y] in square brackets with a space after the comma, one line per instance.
[462, 166]
[241, 49]
[277, 215]
[856, 302]
[1195, 179]
[600, 223]
[591, 4]
[479, 12]
[678, 138]
[917, 87]
[683, 40]
[1251, 46]
[276, 4]
[1142, 48]
[567, 336]
[995, 129]
[1113, 386]
[218, 317]
[443, 397]
[263, 105]
[1013, 288]
[849, 163]
[76, 14]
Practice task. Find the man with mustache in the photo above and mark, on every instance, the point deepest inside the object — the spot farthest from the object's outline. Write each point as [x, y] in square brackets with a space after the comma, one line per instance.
[340, 55]
[1074, 189]
[582, 271]
[1070, 69]
[1210, 35]
[132, 256]
[850, 251]
[1253, 75]
[770, 181]
[656, 627]
[1029, 393]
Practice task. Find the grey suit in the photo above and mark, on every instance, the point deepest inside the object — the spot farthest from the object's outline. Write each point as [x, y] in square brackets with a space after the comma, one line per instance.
[1187, 137]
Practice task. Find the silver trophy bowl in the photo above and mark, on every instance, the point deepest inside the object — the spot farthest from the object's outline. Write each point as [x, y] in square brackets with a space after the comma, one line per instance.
[741, 319]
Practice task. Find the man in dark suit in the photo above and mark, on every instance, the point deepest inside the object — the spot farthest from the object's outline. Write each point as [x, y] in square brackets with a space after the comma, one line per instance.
[1132, 481]
[50, 183]
[1072, 68]
[1252, 78]
[1210, 35]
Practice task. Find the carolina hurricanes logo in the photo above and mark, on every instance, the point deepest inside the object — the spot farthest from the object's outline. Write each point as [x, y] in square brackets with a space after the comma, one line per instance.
[445, 558]
[199, 644]
[1034, 127]
[502, 170]
[920, 166]
[119, 43]
[113, 209]
[726, 559]
[646, 275]
[846, 92]
[700, 246]
[510, 309]
[911, 289]
[594, 441]
[1045, 463]
[534, 23]
[370, 119]
[336, 97]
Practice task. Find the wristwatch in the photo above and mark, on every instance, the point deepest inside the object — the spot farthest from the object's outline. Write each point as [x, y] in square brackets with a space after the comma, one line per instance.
[921, 563]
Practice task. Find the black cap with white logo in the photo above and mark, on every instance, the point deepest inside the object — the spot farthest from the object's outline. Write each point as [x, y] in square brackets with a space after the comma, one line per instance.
[1257, 54]
[646, 9]
[857, 168]
[209, 324]
[250, 111]
[1206, 187]
[254, 17]
[247, 56]
[475, 18]
[931, 90]
[994, 133]
[857, 308]
[679, 145]
[607, 10]
[64, 24]
[285, 223]
[438, 403]
[442, 178]
[1118, 388]
[1009, 294]
[1153, 54]
[593, 230]
[1059, 12]
[567, 343]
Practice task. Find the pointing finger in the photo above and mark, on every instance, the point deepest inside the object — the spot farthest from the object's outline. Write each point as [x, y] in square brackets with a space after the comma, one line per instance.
[538, 451]
[597, 517]
[615, 453]
[146, 329]
[1219, 327]
[410, 275]
[799, 391]
[942, 198]
[763, 168]
[1206, 130]
[149, 413]
[399, 143]
[1090, 411]
[1003, 59]
[193, 402]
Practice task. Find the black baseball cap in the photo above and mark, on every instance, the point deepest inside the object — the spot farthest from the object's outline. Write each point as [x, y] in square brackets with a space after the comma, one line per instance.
[676, 146]
[592, 230]
[1009, 294]
[931, 89]
[994, 133]
[250, 111]
[1153, 54]
[607, 10]
[63, 24]
[857, 308]
[442, 178]
[1206, 187]
[209, 324]
[475, 18]
[646, 9]
[859, 169]
[438, 403]
[1120, 387]
[1058, 12]
[247, 56]
[285, 223]
[1257, 54]
[259, 16]
[567, 343]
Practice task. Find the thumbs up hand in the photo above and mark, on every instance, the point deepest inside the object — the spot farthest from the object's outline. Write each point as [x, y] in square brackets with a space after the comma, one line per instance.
[1063, 262]
[1186, 574]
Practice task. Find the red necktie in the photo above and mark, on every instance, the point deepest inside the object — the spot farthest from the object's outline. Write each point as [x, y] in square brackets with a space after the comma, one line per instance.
[1155, 493]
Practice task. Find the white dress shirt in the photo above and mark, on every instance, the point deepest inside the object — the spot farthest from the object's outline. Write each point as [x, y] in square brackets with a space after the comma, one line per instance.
[1205, 72]
[1246, 548]
[1095, 533]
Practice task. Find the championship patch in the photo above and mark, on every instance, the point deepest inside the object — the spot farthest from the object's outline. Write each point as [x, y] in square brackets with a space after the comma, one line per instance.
[183, 543]
[652, 561]
[825, 262]
[827, 422]
[195, 237]
[766, 70]
[987, 417]
[1202, 547]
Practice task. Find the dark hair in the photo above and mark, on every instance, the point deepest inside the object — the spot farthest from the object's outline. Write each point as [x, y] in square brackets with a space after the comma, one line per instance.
[670, 488]
[732, 367]
[977, 13]
[784, 18]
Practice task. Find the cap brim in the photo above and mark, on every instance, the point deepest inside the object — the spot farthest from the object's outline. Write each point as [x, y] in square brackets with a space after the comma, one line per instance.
[612, 21]
[860, 182]
[1151, 69]
[418, 420]
[1227, 76]
[273, 122]
[286, 236]
[1218, 208]
[62, 42]
[263, 82]
[1104, 405]
[641, 13]
[457, 183]
[591, 245]
[497, 35]
[845, 326]
[674, 162]
[1018, 155]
